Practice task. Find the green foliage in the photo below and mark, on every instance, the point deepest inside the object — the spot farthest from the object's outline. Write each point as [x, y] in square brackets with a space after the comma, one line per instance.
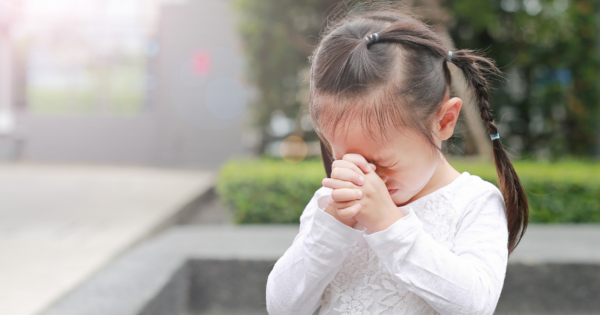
[271, 191]
[575, 172]
[549, 50]
[557, 192]
[278, 37]
[268, 191]
[548, 106]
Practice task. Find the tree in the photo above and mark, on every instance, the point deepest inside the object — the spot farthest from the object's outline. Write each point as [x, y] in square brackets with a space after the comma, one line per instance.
[548, 106]
[279, 35]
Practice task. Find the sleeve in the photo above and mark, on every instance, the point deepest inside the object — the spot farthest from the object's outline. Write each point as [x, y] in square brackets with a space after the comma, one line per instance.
[299, 278]
[465, 280]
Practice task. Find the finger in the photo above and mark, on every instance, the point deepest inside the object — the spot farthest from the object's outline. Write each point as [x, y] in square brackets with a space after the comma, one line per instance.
[358, 160]
[347, 221]
[346, 194]
[342, 204]
[348, 212]
[337, 184]
[372, 166]
[346, 164]
[347, 174]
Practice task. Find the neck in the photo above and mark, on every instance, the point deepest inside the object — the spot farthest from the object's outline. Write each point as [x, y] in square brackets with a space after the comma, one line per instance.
[443, 175]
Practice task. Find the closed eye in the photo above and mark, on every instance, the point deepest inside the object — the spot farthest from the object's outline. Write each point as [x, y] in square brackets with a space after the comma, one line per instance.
[389, 165]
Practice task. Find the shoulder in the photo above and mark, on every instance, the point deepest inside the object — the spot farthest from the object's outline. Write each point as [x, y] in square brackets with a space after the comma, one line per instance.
[470, 187]
[471, 190]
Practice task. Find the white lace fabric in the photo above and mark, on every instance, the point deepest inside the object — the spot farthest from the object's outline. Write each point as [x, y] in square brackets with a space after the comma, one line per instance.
[364, 286]
[446, 256]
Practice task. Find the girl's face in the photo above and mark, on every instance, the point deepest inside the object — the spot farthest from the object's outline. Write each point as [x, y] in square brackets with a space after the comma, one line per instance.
[406, 162]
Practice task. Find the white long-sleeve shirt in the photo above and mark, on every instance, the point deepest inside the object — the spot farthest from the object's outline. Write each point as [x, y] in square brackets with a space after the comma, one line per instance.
[448, 255]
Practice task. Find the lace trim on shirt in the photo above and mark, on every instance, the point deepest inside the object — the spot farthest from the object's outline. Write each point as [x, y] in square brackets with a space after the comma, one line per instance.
[364, 287]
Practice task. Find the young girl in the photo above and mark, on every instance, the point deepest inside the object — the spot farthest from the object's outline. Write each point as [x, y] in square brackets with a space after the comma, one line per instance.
[396, 229]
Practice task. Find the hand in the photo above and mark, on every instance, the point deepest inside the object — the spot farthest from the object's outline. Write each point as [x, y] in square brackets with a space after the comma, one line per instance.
[360, 193]
[346, 194]
[347, 221]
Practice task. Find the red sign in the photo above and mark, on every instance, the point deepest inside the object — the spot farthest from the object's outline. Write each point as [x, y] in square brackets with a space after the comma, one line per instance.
[201, 63]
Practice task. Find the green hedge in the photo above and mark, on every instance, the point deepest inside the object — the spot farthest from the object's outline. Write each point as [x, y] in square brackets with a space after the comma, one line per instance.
[268, 191]
[273, 191]
[557, 192]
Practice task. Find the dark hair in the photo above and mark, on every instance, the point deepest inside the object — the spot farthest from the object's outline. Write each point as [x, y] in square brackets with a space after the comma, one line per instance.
[401, 80]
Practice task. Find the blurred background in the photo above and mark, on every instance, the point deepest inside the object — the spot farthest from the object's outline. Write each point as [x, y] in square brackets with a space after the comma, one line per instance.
[119, 119]
[135, 82]
[121, 82]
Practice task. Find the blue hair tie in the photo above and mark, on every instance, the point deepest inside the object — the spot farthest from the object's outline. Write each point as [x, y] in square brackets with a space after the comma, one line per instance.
[494, 137]
[370, 40]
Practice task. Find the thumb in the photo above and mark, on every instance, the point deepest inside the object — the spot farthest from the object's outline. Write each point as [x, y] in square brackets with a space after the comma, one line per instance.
[372, 166]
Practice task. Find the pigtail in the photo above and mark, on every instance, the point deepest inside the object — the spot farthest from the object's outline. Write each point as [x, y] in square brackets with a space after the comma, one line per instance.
[474, 68]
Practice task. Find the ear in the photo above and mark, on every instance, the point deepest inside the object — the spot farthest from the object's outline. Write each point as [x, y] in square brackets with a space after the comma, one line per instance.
[447, 117]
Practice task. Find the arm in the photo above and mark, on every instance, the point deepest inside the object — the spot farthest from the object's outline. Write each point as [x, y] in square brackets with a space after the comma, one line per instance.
[465, 280]
[299, 277]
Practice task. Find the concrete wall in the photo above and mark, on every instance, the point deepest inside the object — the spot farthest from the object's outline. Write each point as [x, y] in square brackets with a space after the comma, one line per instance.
[220, 269]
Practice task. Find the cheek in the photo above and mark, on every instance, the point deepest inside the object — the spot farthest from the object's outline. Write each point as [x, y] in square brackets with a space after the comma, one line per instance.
[416, 175]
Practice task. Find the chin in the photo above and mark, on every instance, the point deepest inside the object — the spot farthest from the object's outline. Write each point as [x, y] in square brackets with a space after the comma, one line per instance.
[401, 199]
[408, 192]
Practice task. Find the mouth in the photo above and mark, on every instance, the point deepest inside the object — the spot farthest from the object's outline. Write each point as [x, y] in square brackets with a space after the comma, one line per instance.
[392, 191]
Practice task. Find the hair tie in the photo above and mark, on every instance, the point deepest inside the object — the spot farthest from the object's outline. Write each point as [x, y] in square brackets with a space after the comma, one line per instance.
[370, 40]
[494, 137]
[449, 56]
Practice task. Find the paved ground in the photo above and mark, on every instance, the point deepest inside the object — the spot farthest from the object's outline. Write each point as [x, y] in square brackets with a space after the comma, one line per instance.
[211, 211]
[60, 224]
[559, 243]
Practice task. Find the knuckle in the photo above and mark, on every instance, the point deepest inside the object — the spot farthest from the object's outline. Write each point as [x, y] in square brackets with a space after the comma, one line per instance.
[349, 157]
[344, 194]
[346, 211]
[345, 204]
[335, 172]
[356, 169]
[349, 211]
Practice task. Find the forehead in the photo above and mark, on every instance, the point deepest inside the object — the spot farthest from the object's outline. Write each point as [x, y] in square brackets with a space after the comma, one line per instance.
[369, 126]
[351, 137]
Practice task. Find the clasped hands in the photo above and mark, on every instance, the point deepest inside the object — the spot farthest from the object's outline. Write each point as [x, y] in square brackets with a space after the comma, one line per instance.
[360, 195]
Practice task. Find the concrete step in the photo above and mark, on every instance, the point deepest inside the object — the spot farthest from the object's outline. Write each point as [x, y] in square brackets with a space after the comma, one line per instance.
[197, 269]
